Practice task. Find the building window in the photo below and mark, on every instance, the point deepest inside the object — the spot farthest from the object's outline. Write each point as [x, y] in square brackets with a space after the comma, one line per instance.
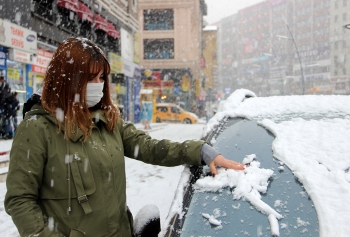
[155, 49]
[43, 8]
[158, 19]
[345, 3]
[66, 19]
[344, 16]
[335, 18]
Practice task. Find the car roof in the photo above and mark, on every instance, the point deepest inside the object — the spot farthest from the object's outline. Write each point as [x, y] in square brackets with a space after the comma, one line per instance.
[244, 103]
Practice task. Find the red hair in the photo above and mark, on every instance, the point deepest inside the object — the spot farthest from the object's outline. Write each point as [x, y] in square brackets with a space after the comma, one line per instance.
[75, 62]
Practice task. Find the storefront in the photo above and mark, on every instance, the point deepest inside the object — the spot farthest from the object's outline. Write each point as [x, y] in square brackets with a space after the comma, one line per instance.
[132, 73]
[18, 50]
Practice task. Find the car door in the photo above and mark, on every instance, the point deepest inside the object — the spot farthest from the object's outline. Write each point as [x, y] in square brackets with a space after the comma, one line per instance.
[176, 114]
[163, 113]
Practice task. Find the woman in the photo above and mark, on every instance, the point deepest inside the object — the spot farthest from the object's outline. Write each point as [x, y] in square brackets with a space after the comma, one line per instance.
[67, 172]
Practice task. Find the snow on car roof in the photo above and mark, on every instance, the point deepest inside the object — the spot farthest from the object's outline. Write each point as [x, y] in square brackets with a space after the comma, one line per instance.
[312, 139]
[274, 107]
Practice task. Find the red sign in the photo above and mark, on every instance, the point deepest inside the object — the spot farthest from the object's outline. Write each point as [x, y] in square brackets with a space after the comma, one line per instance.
[155, 84]
[38, 69]
[45, 53]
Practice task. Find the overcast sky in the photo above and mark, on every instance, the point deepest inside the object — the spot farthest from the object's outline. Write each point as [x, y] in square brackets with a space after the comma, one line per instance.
[218, 9]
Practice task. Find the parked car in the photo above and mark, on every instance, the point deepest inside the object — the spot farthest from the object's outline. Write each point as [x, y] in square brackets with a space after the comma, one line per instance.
[167, 112]
[297, 178]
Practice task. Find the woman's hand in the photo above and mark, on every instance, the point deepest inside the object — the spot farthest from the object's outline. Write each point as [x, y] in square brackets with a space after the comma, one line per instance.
[223, 162]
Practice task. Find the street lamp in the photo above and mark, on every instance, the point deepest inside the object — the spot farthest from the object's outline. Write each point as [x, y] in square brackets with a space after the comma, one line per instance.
[296, 48]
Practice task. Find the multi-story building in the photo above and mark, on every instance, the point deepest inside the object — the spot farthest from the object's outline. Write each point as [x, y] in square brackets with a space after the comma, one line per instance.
[111, 24]
[209, 79]
[228, 55]
[170, 47]
[339, 45]
[286, 47]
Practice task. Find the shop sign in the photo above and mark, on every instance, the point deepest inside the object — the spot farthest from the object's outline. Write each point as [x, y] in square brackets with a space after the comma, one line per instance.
[38, 69]
[136, 48]
[339, 79]
[20, 56]
[186, 83]
[148, 73]
[15, 36]
[128, 68]
[42, 61]
[127, 45]
[116, 62]
[13, 73]
[155, 83]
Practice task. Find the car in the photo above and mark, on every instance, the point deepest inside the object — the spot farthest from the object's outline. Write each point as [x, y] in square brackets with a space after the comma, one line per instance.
[168, 112]
[296, 181]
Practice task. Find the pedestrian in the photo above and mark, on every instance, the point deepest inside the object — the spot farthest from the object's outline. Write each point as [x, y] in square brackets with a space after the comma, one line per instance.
[5, 92]
[144, 115]
[11, 108]
[67, 172]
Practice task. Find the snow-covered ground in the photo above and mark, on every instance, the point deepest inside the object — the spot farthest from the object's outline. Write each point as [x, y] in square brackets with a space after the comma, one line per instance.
[146, 184]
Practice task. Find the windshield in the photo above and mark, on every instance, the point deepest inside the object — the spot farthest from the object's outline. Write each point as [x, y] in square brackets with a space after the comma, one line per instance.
[236, 139]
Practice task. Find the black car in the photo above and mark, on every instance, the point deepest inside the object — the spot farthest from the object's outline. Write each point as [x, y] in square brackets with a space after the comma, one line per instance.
[283, 209]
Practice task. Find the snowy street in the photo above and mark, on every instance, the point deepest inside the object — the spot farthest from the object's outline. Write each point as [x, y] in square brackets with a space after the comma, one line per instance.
[146, 184]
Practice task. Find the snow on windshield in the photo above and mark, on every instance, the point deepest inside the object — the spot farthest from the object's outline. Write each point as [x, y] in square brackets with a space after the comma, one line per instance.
[316, 150]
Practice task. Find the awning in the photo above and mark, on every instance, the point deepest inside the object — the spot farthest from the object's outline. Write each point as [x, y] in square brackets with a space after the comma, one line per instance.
[112, 31]
[71, 5]
[100, 23]
[84, 12]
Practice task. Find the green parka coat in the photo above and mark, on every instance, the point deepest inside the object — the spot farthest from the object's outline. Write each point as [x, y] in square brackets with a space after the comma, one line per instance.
[76, 188]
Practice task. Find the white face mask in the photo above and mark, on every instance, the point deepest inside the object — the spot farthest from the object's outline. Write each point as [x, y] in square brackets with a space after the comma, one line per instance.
[94, 93]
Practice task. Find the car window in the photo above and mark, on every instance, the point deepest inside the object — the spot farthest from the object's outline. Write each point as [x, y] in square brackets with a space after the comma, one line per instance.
[162, 109]
[237, 139]
[175, 110]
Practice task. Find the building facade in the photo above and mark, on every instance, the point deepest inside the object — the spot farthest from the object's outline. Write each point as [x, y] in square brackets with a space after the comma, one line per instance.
[208, 88]
[170, 47]
[284, 47]
[111, 24]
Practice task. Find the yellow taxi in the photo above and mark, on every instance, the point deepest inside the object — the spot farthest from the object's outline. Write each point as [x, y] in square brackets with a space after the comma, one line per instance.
[167, 112]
